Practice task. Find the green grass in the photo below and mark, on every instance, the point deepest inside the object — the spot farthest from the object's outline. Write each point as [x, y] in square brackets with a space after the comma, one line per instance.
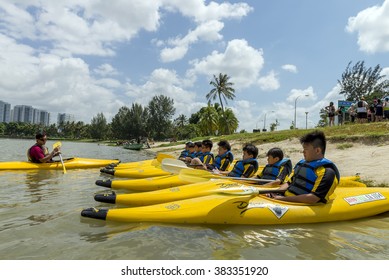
[344, 146]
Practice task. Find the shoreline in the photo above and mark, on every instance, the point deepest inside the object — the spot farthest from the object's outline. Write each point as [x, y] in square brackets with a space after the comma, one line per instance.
[369, 161]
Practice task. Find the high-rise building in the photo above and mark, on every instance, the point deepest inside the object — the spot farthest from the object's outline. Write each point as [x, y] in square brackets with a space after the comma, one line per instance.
[23, 113]
[5, 112]
[64, 118]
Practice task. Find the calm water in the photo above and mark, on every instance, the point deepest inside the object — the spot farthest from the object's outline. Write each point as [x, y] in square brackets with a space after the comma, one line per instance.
[40, 219]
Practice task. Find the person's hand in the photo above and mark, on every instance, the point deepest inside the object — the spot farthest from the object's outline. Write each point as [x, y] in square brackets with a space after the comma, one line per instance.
[56, 151]
[216, 171]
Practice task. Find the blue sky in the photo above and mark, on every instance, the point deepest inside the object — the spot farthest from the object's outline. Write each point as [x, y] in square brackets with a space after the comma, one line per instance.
[86, 57]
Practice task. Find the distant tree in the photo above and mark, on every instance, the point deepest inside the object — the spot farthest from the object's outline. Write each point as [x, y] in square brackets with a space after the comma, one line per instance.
[222, 89]
[2, 128]
[323, 121]
[120, 124]
[98, 127]
[194, 118]
[273, 126]
[181, 121]
[209, 120]
[228, 124]
[358, 81]
[137, 118]
[161, 109]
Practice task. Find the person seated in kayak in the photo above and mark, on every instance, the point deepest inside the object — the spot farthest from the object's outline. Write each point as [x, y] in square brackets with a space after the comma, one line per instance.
[314, 178]
[277, 167]
[191, 152]
[245, 168]
[39, 153]
[185, 152]
[224, 157]
[206, 158]
[198, 149]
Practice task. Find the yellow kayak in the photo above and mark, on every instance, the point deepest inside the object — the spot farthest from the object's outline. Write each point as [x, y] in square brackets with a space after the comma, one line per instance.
[190, 191]
[70, 163]
[135, 164]
[143, 185]
[143, 172]
[346, 204]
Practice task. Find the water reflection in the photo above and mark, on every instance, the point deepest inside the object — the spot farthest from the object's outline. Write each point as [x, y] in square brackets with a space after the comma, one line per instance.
[41, 184]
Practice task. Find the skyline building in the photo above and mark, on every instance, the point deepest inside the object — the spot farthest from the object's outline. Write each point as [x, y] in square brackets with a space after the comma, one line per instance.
[5, 112]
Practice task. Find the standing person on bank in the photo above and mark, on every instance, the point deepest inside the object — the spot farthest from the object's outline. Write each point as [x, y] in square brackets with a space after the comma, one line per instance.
[39, 153]
[314, 178]
[331, 113]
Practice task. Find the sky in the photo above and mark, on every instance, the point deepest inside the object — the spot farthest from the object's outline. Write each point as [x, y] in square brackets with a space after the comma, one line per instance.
[87, 57]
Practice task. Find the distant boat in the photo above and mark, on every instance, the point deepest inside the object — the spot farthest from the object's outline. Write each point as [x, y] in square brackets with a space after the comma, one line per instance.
[134, 146]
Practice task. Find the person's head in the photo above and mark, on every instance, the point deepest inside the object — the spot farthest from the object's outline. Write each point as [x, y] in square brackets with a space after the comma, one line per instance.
[314, 145]
[206, 145]
[224, 147]
[378, 101]
[386, 99]
[187, 145]
[191, 147]
[41, 138]
[250, 151]
[274, 155]
[331, 103]
[198, 147]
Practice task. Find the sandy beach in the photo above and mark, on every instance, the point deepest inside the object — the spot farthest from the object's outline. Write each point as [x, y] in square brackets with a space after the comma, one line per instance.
[369, 161]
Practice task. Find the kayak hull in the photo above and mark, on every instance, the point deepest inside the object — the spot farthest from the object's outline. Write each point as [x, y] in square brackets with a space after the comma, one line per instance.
[70, 163]
[190, 191]
[137, 173]
[144, 185]
[347, 204]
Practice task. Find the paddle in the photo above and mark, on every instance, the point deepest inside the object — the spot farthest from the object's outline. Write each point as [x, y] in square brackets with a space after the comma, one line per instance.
[173, 165]
[59, 144]
[159, 158]
[197, 175]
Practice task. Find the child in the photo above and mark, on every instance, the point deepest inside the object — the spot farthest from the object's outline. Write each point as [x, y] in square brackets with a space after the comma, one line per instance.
[246, 167]
[185, 152]
[207, 157]
[191, 152]
[277, 168]
[224, 157]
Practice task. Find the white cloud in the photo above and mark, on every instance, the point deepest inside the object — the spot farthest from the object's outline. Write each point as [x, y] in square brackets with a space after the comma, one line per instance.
[269, 82]
[208, 31]
[290, 68]
[239, 61]
[167, 83]
[372, 26]
[106, 70]
[385, 71]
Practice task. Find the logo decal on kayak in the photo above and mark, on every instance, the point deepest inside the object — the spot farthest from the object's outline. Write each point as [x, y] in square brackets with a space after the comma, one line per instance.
[277, 210]
[231, 185]
[363, 198]
[173, 206]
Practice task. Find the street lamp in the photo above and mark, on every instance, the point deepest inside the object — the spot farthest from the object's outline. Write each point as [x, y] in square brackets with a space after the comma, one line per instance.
[295, 109]
[264, 120]
[306, 120]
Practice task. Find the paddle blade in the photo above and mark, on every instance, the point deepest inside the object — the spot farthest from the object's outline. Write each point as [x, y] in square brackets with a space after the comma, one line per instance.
[173, 165]
[57, 144]
[161, 157]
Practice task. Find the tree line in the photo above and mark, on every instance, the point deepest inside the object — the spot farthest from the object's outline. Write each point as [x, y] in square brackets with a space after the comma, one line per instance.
[153, 121]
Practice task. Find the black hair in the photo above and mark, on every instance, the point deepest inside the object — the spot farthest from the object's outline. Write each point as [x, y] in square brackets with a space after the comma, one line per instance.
[316, 138]
[198, 144]
[40, 135]
[251, 150]
[224, 144]
[190, 145]
[207, 143]
[276, 152]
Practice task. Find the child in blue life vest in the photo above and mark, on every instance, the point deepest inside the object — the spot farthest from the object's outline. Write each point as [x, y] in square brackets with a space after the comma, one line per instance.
[206, 158]
[277, 167]
[191, 152]
[246, 167]
[224, 157]
[314, 178]
[185, 152]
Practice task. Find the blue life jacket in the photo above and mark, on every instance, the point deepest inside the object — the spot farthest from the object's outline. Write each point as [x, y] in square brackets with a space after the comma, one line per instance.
[207, 158]
[242, 165]
[198, 154]
[184, 154]
[304, 177]
[220, 161]
[271, 171]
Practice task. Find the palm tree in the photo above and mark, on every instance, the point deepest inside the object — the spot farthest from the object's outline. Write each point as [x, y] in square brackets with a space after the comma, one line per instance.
[222, 88]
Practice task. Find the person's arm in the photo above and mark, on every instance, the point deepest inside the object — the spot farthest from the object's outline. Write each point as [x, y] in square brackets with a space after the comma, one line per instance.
[53, 153]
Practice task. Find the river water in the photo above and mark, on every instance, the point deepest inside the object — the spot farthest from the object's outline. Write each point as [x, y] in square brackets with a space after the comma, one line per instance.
[40, 219]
